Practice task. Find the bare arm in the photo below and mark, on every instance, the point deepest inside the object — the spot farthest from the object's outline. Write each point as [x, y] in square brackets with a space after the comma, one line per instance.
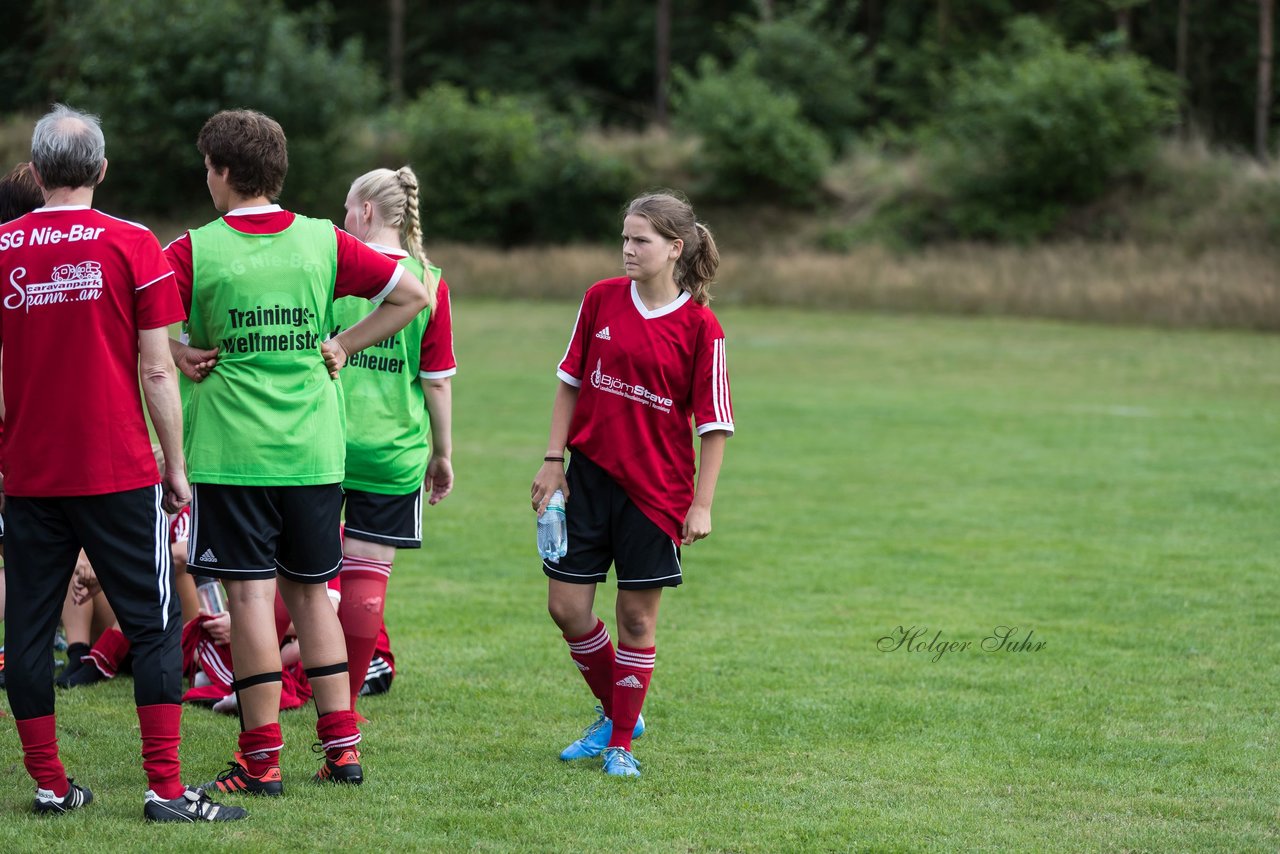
[439, 395]
[550, 476]
[394, 313]
[697, 523]
[192, 361]
[160, 390]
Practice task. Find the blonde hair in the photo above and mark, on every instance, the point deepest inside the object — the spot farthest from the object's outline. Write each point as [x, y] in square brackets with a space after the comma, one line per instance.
[672, 216]
[394, 196]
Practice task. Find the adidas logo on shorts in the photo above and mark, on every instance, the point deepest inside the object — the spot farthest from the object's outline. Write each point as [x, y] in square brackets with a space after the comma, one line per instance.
[603, 334]
[208, 557]
[630, 681]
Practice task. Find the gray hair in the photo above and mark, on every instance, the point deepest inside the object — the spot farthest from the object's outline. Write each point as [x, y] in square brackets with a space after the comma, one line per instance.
[67, 148]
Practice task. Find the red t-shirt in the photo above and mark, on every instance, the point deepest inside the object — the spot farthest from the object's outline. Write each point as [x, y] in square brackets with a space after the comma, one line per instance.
[436, 354]
[78, 286]
[647, 375]
[361, 271]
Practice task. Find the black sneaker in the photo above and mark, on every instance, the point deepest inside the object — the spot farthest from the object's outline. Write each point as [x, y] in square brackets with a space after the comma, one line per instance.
[47, 803]
[237, 780]
[341, 765]
[192, 805]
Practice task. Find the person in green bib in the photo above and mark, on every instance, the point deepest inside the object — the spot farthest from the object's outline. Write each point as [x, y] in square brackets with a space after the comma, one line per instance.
[398, 399]
[265, 435]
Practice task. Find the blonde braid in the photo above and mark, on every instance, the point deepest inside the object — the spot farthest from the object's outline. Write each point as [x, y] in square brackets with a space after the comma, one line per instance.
[411, 227]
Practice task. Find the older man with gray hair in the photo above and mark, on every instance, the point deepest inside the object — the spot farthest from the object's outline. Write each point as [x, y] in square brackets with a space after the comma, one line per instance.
[87, 300]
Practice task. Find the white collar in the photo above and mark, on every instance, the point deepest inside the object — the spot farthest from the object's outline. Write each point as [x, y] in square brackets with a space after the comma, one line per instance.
[256, 209]
[660, 311]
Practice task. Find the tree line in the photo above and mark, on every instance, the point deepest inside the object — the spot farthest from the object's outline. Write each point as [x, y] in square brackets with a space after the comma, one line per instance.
[802, 81]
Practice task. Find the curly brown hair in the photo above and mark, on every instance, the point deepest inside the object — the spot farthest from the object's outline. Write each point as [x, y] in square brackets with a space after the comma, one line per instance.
[251, 146]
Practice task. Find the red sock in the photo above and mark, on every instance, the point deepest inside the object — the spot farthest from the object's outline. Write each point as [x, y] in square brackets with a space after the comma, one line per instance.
[632, 671]
[364, 593]
[108, 652]
[593, 653]
[260, 748]
[161, 732]
[39, 737]
[337, 730]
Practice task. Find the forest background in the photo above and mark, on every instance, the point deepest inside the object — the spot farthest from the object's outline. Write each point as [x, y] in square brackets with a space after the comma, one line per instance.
[1107, 160]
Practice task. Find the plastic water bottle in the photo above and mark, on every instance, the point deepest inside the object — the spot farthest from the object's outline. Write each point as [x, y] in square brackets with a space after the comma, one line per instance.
[210, 595]
[553, 538]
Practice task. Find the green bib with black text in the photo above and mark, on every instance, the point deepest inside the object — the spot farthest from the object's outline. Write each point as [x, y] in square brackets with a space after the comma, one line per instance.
[387, 421]
[268, 414]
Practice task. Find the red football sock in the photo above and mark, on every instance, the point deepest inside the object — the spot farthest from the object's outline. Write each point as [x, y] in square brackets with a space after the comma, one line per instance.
[39, 737]
[260, 748]
[364, 593]
[632, 670]
[161, 726]
[109, 652]
[337, 730]
[593, 653]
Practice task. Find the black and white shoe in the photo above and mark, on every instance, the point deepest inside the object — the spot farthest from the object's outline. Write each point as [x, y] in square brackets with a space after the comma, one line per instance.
[192, 806]
[47, 803]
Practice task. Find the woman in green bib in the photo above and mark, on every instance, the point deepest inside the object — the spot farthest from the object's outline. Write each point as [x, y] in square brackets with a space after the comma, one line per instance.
[398, 406]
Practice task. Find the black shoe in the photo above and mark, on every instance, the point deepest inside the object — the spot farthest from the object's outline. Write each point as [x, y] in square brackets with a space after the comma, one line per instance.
[47, 803]
[340, 766]
[191, 806]
[237, 780]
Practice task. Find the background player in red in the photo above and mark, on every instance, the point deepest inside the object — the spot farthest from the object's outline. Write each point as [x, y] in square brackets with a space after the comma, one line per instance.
[646, 357]
[397, 394]
[19, 194]
[264, 433]
[87, 304]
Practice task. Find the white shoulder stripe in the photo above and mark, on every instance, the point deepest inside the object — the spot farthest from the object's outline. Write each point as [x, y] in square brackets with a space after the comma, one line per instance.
[153, 281]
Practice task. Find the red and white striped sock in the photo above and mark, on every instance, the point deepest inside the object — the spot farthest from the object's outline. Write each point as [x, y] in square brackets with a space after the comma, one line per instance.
[593, 653]
[260, 748]
[632, 670]
[364, 595]
[108, 653]
[337, 731]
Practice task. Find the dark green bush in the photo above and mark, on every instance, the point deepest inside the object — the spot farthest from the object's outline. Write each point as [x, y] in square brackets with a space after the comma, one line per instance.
[1041, 127]
[755, 143]
[498, 169]
[800, 53]
[156, 69]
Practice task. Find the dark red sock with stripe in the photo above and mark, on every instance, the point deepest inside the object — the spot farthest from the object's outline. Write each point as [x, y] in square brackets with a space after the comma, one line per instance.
[39, 737]
[161, 726]
[632, 670]
[260, 748]
[593, 653]
[109, 652]
[364, 594]
[337, 731]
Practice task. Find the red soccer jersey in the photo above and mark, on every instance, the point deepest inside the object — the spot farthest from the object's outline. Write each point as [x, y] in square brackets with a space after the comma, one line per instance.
[78, 286]
[437, 359]
[361, 271]
[647, 375]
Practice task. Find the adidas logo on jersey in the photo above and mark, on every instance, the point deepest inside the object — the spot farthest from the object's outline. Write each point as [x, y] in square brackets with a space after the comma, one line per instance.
[629, 682]
[603, 334]
[208, 557]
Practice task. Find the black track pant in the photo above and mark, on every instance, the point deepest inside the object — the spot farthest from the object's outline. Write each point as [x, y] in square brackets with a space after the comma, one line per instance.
[125, 536]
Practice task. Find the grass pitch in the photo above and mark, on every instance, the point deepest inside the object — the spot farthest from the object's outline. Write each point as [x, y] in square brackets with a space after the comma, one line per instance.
[899, 487]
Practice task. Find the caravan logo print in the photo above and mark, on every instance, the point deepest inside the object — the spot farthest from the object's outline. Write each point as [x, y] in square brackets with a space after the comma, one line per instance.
[67, 283]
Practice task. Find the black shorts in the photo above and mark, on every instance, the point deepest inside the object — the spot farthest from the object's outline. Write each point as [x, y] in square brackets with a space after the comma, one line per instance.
[606, 527]
[256, 532]
[392, 520]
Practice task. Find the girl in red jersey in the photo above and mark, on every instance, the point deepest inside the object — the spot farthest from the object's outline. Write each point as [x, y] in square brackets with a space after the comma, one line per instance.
[646, 359]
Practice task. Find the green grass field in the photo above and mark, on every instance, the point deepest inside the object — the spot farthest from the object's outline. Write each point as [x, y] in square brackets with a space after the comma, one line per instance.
[1113, 491]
